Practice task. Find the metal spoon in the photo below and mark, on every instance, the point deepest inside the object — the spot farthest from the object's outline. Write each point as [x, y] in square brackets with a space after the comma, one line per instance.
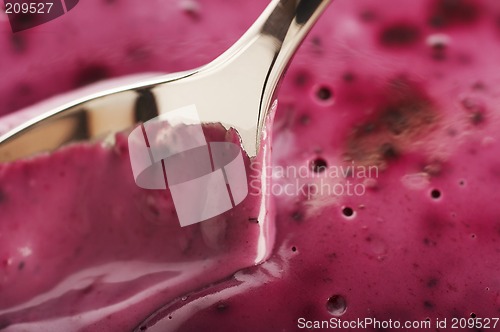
[237, 90]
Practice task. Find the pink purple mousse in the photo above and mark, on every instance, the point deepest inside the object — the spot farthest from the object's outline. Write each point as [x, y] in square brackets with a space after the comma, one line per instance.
[409, 90]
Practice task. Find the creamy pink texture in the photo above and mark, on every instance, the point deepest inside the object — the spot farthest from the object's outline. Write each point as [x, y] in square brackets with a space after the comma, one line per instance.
[411, 87]
[92, 239]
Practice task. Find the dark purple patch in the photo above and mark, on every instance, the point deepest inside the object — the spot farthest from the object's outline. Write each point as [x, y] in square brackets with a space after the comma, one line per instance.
[154, 210]
[4, 324]
[24, 89]
[331, 257]
[316, 41]
[453, 12]
[428, 304]
[475, 109]
[308, 310]
[348, 77]
[21, 265]
[479, 86]
[87, 290]
[436, 225]
[439, 55]
[221, 307]
[302, 78]
[368, 128]
[368, 16]
[430, 243]
[318, 165]
[138, 53]
[439, 50]
[304, 119]
[18, 43]
[90, 74]
[439, 46]
[396, 120]
[192, 10]
[402, 111]
[399, 34]
[389, 151]
[477, 118]
[297, 216]
[432, 282]
[406, 109]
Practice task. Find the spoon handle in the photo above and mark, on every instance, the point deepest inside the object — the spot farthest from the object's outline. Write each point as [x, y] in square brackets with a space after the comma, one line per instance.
[301, 16]
[247, 74]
